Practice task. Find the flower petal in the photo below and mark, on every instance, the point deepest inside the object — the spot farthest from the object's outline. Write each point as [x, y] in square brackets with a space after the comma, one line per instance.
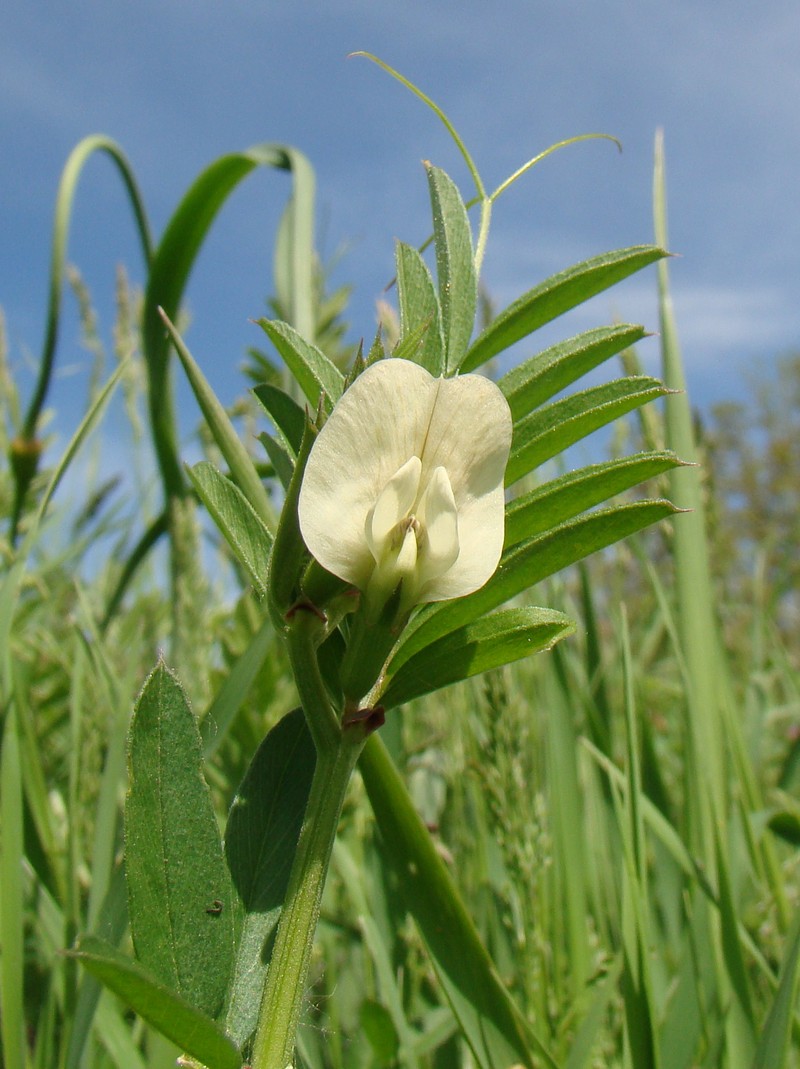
[394, 504]
[470, 435]
[438, 520]
[378, 424]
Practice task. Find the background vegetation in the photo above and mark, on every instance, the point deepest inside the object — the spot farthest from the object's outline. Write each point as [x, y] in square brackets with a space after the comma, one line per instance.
[620, 815]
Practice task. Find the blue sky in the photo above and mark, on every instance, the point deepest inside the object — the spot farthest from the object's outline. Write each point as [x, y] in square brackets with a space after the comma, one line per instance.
[178, 83]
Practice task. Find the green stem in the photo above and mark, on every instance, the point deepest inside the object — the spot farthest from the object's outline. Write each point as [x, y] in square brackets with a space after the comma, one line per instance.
[304, 635]
[284, 992]
[483, 234]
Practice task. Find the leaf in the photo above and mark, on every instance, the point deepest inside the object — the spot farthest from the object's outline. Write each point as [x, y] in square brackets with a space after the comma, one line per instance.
[490, 1022]
[235, 688]
[549, 431]
[67, 188]
[12, 907]
[567, 496]
[179, 891]
[528, 563]
[455, 266]
[419, 307]
[314, 372]
[555, 296]
[535, 381]
[773, 1044]
[376, 1024]
[280, 458]
[243, 469]
[785, 824]
[236, 519]
[490, 642]
[260, 842]
[187, 1027]
[288, 417]
[175, 257]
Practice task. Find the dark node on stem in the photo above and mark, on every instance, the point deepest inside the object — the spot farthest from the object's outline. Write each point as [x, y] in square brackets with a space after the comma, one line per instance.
[370, 719]
[304, 605]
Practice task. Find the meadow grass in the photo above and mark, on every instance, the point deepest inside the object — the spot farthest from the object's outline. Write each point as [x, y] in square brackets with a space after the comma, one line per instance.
[619, 814]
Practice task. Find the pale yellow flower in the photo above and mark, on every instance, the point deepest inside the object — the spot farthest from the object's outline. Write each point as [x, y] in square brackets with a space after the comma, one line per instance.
[404, 484]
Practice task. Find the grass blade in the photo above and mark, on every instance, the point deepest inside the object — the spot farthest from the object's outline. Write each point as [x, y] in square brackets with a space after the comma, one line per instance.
[173, 262]
[12, 922]
[491, 1023]
[242, 467]
[773, 1044]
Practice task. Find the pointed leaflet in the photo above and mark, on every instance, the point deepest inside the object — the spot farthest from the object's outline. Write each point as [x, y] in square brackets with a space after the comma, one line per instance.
[281, 459]
[490, 642]
[528, 563]
[556, 295]
[567, 496]
[535, 381]
[285, 413]
[419, 307]
[179, 890]
[548, 431]
[315, 373]
[233, 514]
[192, 1031]
[260, 842]
[455, 266]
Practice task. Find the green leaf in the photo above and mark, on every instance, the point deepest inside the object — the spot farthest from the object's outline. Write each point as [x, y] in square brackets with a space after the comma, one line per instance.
[314, 372]
[179, 890]
[176, 255]
[12, 910]
[455, 266]
[419, 307]
[294, 261]
[773, 1044]
[567, 496]
[535, 381]
[528, 563]
[786, 824]
[376, 1024]
[260, 842]
[233, 514]
[548, 431]
[191, 1030]
[280, 458]
[67, 188]
[288, 417]
[230, 444]
[490, 1022]
[490, 642]
[555, 296]
[235, 688]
